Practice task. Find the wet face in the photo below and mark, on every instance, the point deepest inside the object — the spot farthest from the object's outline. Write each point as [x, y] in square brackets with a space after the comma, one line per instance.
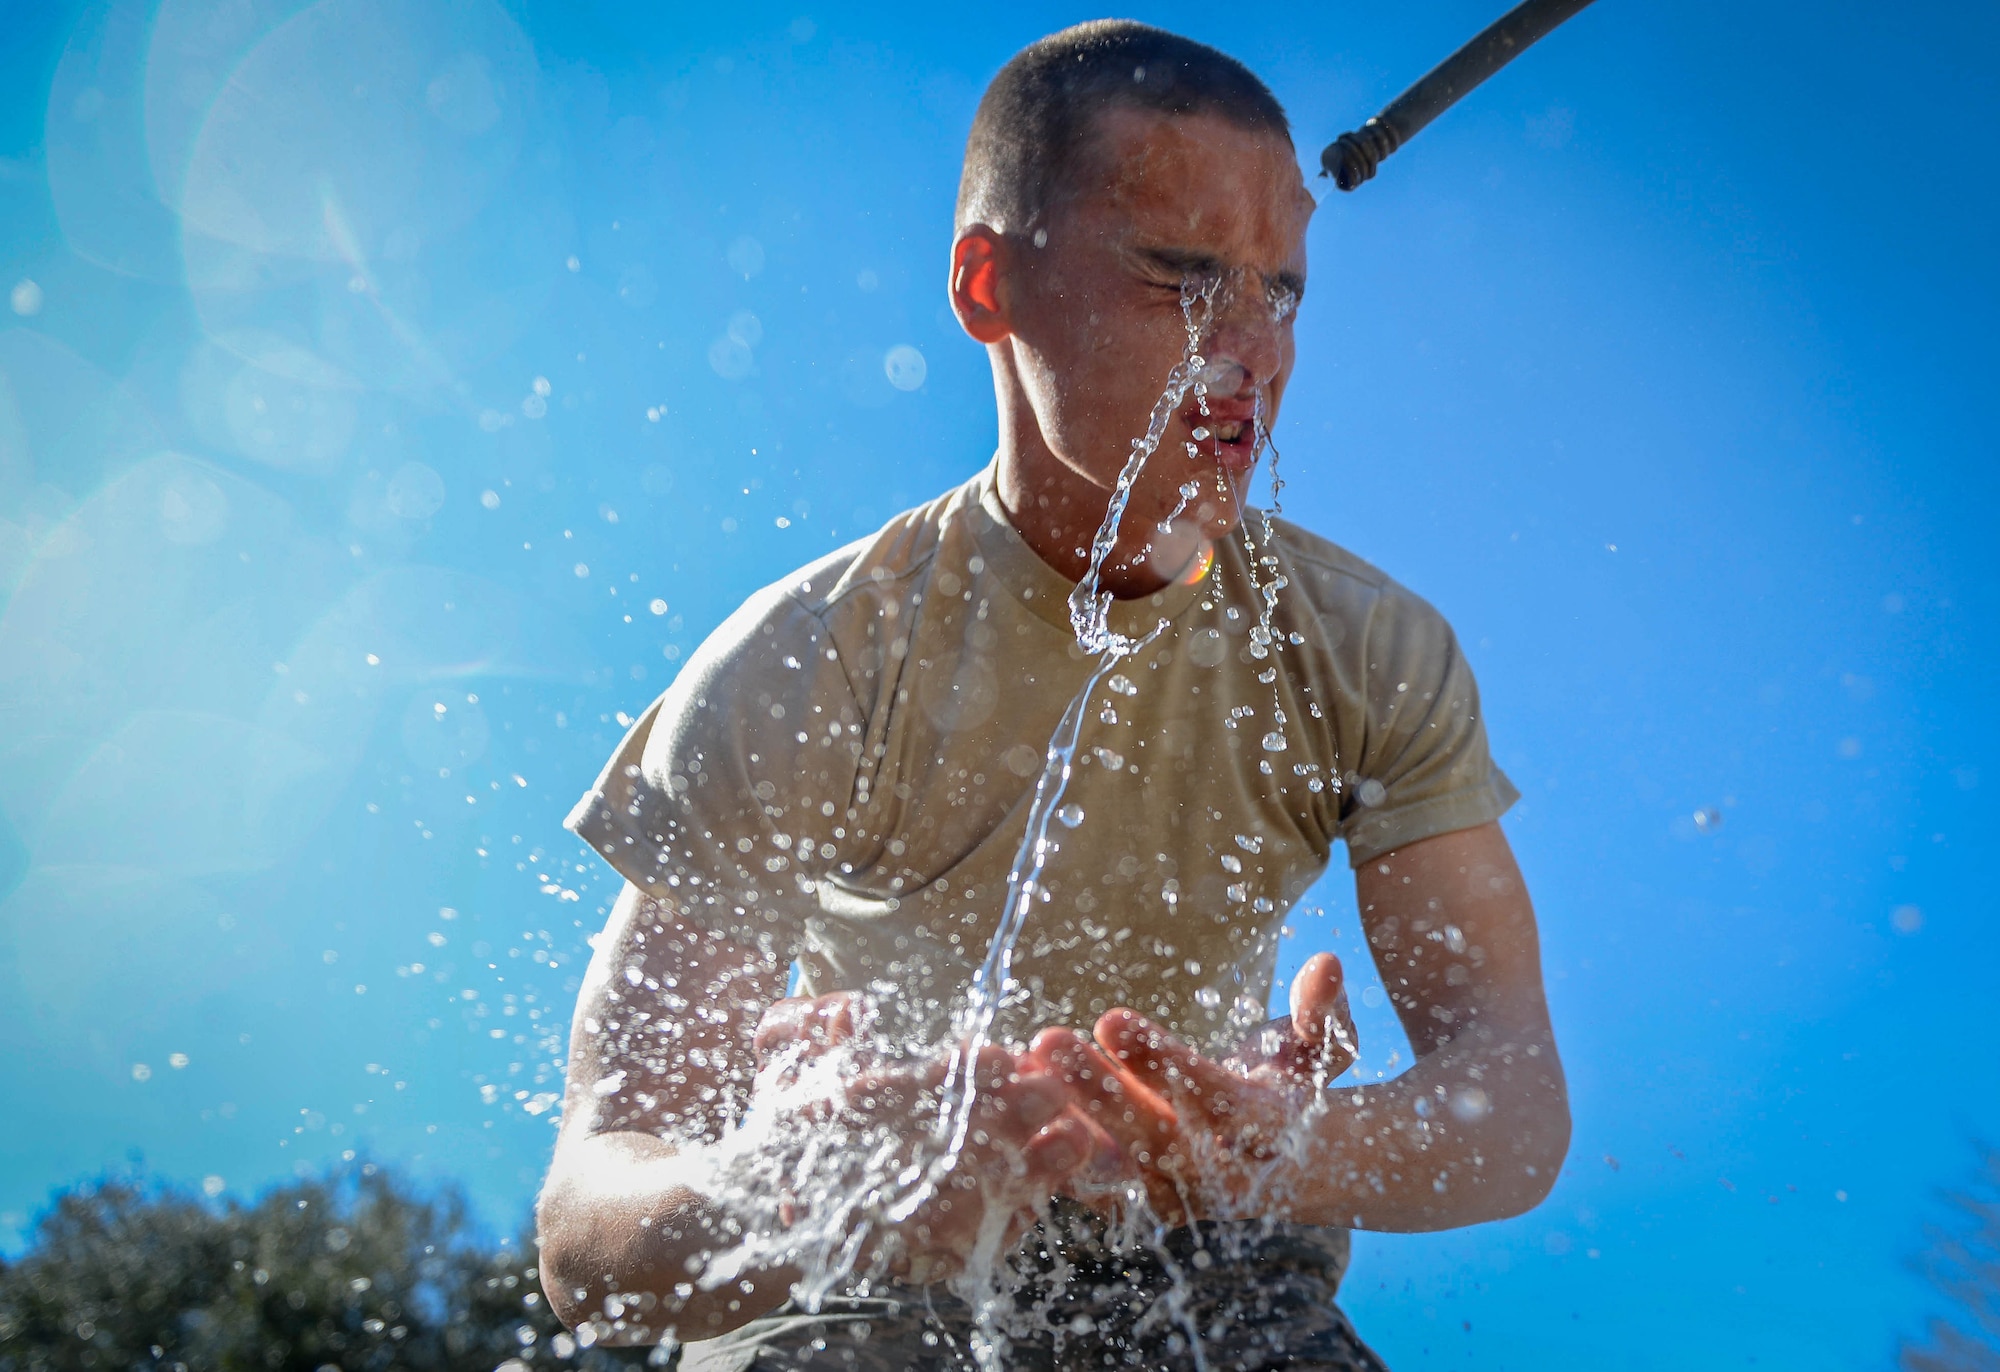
[1096, 323]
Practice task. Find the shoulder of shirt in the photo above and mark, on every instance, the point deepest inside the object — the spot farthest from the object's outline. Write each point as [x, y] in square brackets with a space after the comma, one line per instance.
[1323, 554]
[1338, 580]
[892, 556]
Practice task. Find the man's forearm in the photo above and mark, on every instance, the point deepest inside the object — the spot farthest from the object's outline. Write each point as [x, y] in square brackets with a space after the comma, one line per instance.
[625, 1239]
[1474, 1131]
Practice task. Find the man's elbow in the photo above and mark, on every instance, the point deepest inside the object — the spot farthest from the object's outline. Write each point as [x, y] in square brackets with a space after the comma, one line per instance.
[1537, 1142]
[567, 1267]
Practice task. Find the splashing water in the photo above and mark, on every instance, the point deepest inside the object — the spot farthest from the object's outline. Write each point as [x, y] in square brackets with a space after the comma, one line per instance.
[843, 1187]
[1188, 491]
[1090, 611]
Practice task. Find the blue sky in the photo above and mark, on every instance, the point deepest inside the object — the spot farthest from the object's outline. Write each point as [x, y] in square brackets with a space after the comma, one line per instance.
[390, 394]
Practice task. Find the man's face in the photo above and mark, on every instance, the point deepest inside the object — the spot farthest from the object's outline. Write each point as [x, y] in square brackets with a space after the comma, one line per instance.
[1164, 204]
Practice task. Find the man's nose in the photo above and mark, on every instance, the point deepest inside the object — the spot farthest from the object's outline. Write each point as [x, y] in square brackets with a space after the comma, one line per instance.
[1251, 332]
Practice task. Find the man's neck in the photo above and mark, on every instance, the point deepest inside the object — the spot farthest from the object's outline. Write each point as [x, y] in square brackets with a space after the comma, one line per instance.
[1058, 511]
[1058, 518]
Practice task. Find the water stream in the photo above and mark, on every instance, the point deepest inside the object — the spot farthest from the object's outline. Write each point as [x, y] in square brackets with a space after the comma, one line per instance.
[844, 1188]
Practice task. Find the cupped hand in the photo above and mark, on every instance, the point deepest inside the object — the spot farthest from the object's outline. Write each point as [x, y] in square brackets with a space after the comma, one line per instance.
[1024, 1140]
[1202, 1133]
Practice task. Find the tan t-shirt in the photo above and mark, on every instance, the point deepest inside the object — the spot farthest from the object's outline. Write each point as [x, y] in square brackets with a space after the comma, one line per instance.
[843, 771]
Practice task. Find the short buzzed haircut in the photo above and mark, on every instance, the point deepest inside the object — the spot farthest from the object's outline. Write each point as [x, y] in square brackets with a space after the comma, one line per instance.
[1035, 120]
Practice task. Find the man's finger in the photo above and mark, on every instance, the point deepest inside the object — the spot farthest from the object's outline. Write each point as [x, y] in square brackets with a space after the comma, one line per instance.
[783, 1024]
[1133, 1115]
[1322, 1025]
[1060, 1149]
[1022, 1105]
[1319, 996]
[1107, 1161]
[991, 1069]
[819, 1022]
[1162, 1062]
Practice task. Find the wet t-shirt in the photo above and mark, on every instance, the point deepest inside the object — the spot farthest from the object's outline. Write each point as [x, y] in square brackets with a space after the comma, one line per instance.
[843, 773]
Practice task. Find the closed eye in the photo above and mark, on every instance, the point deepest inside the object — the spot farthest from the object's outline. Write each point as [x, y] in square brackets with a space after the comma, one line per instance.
[1170, 268]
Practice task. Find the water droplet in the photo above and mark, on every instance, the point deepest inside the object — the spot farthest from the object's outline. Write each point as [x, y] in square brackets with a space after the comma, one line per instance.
[1274, 742]
[1199, 435]
[1708, 819]
[746, 257]
[1022, 760]
[1223, 375]
[1071, 814]
[415, 492]
[1208, 997]
[1123, 685]
[905, 367]
[1206, 648]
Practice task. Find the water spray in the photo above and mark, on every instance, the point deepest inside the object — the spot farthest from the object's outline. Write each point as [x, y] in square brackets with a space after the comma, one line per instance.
[1353, 157]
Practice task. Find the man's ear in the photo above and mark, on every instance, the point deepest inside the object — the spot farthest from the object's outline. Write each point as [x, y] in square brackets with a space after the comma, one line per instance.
[976, 260]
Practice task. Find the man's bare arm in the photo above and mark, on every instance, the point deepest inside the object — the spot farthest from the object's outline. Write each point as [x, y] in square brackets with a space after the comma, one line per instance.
[663, 1058]
[1474, 1131]
[661, 1063]
[1454, 937]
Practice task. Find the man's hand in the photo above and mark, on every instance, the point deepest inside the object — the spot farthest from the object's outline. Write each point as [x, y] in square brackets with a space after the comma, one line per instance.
[1199, 1132]
[1025, 1142]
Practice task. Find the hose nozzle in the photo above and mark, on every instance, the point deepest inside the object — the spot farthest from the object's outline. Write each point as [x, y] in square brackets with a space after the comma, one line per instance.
[1353, 157]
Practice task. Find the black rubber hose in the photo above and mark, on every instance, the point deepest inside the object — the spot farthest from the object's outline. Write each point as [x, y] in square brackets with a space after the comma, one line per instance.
[1352, 158]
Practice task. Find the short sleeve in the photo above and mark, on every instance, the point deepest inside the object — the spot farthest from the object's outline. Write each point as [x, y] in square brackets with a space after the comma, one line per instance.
[724, 797]
[1424, 767]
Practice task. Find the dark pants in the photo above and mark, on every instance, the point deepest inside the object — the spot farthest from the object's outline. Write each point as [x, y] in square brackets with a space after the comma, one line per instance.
[1254, 1297]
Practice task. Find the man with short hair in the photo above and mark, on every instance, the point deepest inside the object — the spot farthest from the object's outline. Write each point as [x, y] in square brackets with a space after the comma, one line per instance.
[838, 785]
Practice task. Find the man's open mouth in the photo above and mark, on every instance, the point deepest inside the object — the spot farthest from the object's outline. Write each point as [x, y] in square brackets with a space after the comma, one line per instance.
[1231, 440]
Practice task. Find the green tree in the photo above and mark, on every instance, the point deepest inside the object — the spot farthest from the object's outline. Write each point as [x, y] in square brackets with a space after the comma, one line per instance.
[350, 1273]
[1963, 1263]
